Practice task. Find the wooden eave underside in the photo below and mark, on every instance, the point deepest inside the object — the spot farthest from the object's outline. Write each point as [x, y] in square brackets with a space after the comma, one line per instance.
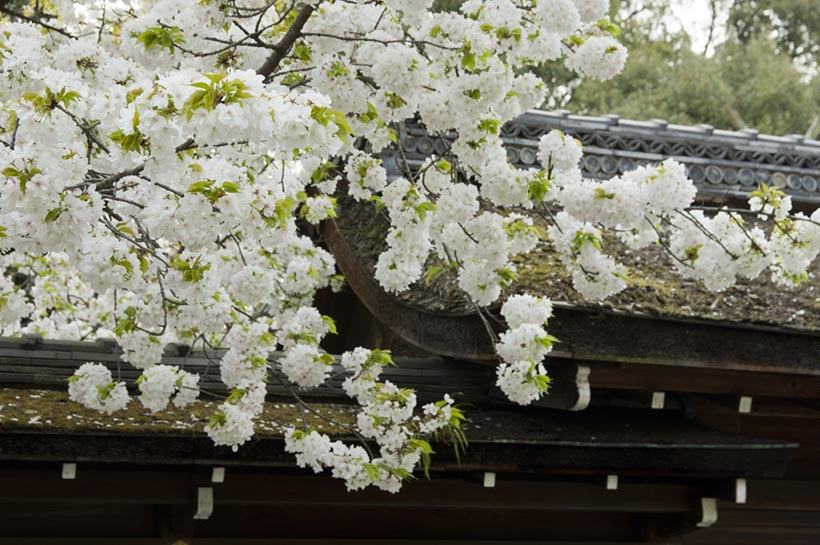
[154, 505]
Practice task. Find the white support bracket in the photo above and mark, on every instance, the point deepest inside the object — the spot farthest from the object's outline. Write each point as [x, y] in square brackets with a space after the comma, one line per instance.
[584, 392]
[740, 490]
[204, 503]
[489, 480]
[69, 471]
[218, 475]
[708, 512]
[612, 482]
[658, 400]
[745, 405]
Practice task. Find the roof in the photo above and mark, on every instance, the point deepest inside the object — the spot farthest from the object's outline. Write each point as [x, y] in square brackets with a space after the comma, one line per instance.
[604, 436]
[35, 362]
[723, 164]
[39, 409]
[653, 287]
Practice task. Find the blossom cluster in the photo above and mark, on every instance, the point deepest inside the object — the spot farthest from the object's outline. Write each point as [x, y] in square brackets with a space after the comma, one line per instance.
[93, 386]
[390, 420]
[522, 349]
[161, 382]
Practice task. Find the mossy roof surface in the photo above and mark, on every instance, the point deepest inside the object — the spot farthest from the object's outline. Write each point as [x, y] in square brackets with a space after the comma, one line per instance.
[38, 409]
[653, 285]
[50, 411]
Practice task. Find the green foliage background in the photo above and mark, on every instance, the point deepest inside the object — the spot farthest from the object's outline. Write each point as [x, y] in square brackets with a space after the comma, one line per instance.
[763, 75]
[760, 73]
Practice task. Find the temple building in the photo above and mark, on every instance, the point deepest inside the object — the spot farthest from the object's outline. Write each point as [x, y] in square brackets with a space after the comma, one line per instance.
[677, 415]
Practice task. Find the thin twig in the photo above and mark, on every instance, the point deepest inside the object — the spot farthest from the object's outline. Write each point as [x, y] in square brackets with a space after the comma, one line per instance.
[12, 13]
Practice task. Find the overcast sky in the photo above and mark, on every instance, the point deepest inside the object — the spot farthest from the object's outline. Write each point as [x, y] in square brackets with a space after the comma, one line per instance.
[694, 16]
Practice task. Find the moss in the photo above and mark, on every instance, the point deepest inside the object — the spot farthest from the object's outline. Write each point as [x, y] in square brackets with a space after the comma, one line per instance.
[52, 410]
[653, 285]
[542, 271]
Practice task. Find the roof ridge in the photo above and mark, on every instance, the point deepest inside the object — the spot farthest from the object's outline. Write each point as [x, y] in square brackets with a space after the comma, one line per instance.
[725, 165]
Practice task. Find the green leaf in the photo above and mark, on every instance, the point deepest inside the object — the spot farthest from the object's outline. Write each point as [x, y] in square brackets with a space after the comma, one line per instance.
[692, 252]
[426, 450]
[132, 95]
[492, 126]
[217, 420]
[123, 228]
[583, 237]
[125, 325]
[282, 212]
[600, 193]
[474, 94]
[191, 271]
[303, 52]
[431, 274]
[422, 445]
[423, 208]
[323, 172]
[53, 214]
[468, 60]
[25, 175]
[337, 69]
[394, 101]
[508, 275]
[444, 166]
[547, 341]
[162, 37]
[372, 471]
[326, 359]
[539, 186]
[380, 357]
[331, 325]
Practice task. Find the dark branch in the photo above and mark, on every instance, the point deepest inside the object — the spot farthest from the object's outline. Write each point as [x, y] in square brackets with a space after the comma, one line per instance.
[281, 49]
[12, 13]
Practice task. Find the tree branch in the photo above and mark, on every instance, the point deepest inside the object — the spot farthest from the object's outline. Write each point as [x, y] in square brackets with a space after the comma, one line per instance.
[281, 49]
[12, 13]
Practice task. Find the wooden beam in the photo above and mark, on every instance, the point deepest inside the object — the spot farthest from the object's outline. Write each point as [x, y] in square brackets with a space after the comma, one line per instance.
[754, 536]
[649, 448]
[776, 495]
[777, 419]
[637, 376]
[752, 518]
[254, 488]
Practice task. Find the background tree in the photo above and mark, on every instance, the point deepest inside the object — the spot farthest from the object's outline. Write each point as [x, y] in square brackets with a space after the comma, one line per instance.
[763, 75]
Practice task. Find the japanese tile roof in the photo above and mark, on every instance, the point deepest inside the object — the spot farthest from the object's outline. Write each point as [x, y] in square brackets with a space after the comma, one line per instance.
[724, 164]
[652, 286]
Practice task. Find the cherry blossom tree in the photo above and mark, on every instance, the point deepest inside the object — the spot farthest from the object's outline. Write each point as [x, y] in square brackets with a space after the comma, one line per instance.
[157, 155]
